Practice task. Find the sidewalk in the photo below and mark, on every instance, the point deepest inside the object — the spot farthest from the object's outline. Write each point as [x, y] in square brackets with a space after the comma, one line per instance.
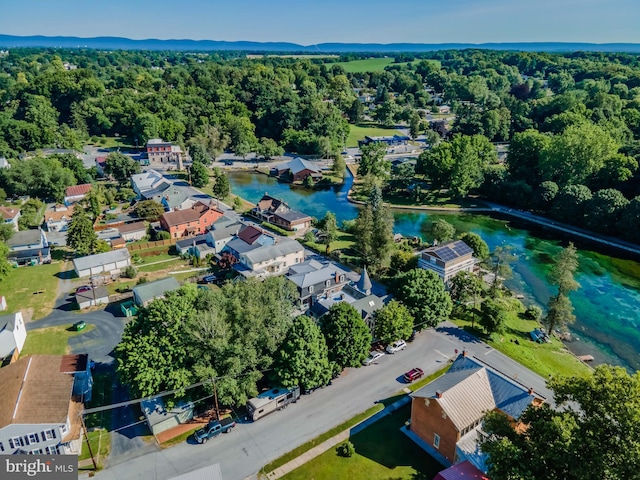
[337, 439]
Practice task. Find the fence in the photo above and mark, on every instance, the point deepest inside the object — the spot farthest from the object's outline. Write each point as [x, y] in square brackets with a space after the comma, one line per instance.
[132, 247]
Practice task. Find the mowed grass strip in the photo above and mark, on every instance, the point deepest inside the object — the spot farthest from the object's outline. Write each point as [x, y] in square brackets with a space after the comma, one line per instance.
[31, 288]
[382, 451]
[358, 132]
[51, 340]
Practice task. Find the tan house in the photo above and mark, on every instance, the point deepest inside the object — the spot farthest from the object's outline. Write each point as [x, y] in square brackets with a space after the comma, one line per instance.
[10, 216]
[447, 414]
[447, 259]
[58, 217]
[131, 232]
[278, 212]
[159, 150]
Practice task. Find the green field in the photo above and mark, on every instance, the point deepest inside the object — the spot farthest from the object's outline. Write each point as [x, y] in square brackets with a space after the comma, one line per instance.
[358, 132]
[31, 289]
[372, 64]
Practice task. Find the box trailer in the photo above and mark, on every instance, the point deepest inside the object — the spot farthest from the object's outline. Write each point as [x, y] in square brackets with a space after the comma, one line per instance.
[270, 401]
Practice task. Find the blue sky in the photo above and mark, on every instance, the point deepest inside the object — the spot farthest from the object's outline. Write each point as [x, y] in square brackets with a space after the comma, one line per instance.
[309, 22]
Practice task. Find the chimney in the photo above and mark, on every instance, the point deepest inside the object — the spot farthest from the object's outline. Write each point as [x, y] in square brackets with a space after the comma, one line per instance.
[438, 394]
[464, 353]
[530, 391]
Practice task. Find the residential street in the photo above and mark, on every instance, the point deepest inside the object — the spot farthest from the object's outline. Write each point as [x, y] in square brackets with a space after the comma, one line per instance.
[248, 447]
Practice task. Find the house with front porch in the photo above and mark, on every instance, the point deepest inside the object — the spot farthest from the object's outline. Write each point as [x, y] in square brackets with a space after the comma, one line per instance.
[29, 247]
[41, 401]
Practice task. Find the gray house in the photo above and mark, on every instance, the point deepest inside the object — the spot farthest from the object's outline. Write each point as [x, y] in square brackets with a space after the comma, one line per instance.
[316, 280]
[110, 262]
[29, 247]
[145, 293]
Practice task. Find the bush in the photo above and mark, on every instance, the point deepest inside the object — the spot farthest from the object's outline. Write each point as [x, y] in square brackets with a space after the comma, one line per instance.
[142, 280]
[130, 272]
[533, 312]
[162, 235]
[237, 203]
[346, 449]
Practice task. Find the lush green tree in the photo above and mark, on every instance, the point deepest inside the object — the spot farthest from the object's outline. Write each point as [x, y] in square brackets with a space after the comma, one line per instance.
[629, 224]
[561, 274]
[329, 227]
[372, 161]
[424, 293]
[374, 230]
[6, 232]
[477, 244]
[525, 155]
[464, 287]
[348, 337]
[565, 442]
[604, 209]
[500, 262]
[268, 148]
[402, 261]
[221, 188]
[5, 266]
[199, 175]
[303, 358]
[81, 237]
[442, 231]
[494, 315]
[208, 144]
[339, 166]
[121, 167]
[150, 210]
[570, 204]
[30, 214]
[393, 322]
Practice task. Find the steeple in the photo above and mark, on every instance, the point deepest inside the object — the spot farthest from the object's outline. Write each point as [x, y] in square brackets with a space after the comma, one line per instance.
[364, 284]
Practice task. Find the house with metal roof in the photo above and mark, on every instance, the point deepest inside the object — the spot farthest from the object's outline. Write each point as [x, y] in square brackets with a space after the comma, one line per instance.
[447, 414]
[108, 262]
[145, 293]
[41, 401]
[297, 170]
[148, 183]
[447, 259]
[75, 193]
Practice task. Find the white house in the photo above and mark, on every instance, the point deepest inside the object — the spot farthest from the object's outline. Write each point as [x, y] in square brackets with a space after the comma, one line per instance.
[57, 218]
[12, 335]
[111, 262]
[447, 259]
[149, 184]
[268, 260]
[40, 404]
[10, 216]
[75, 193]
[29, 247]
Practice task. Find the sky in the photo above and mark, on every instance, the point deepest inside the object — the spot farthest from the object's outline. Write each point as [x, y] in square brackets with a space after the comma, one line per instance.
[308, 22]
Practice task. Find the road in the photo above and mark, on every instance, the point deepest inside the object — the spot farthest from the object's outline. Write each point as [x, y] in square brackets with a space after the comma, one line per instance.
[252, 445]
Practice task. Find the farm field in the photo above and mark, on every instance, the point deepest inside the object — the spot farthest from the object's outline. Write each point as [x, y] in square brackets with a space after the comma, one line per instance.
[371, 64]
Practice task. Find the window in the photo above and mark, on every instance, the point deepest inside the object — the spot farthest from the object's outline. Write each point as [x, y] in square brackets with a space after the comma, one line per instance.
[342, 278]
[32, 438]
[64, 429]
[52, 450]
[327, 283]
[16, 442]
[48, 434]
[1, 447]
[36, 452]
[310, 288]
[436, 440]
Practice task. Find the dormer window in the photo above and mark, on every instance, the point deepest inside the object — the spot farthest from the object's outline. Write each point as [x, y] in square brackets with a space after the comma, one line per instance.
[328, 283]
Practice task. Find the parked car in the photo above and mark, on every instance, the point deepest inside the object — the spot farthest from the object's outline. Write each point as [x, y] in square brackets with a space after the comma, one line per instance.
[79, 325]
[83, 288]
[413, 374]
[210, 279]
[373, 356]
[396, 346]
[213, 429]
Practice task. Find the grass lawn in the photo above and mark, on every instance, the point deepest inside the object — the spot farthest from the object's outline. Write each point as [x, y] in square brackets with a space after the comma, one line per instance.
[113, 142]
[439, 199]
[98, 423]
[358, 132]
[366, 65]
[171, 264]
[543, 358]
[343, 241]
[382, 452]
[21, 287]
[51, 340]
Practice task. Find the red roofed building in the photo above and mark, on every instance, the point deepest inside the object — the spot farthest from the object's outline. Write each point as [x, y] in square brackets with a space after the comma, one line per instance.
[76, 193]
[190, 221]
[461, 471]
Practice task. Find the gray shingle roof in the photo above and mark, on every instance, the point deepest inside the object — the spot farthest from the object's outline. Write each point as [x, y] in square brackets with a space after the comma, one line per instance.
[151, 290]
[297, 165]
[314, 277]
[25, 237]
[90, 261]
[270, 252]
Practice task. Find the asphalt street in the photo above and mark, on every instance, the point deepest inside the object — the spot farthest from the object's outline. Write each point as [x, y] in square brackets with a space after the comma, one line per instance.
[250, 446]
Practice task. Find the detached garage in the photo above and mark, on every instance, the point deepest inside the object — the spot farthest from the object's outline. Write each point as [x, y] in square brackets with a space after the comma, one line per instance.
[95, 296]
[108, 262]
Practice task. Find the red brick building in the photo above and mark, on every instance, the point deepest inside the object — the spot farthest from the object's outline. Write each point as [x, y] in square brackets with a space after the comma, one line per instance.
[190, 221]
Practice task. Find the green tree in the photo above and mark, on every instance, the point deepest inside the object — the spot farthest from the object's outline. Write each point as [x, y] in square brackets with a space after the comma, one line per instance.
[30, 214]
[500, 262]
[199, 175]
[339, 166]
[268, 148]
[570, 204]
[374, 230]
[564, 442]
[464, 287]
[121, 167]
[150, 210]
[303, 357]
[5, 266]
[81, 237]
[561, 274]
[629, 224]
[6, 232]
[424, 293]
[605, 209]
[348, 337]
[403, 261]
[221, 188]
[329, 227]
[494, 316]
[372, 161]
[393, 322]
[477, 244]
[442, 231]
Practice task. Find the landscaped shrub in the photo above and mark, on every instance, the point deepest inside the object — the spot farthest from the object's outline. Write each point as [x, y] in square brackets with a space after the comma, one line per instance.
[346, 449]
[533, 312]
[130, 272]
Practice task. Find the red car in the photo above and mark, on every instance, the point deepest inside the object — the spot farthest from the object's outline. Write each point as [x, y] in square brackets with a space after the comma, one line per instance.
[84, 288]
[413, 374]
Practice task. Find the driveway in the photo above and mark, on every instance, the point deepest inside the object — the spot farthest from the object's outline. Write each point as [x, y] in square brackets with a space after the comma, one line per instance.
[250, 446]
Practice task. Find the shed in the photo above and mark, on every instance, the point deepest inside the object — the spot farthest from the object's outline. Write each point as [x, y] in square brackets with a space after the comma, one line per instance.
[145, 293]
[95, 296]
[160, 418]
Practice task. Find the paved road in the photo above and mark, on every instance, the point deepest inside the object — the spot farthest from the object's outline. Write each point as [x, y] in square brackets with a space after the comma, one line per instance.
[250, 446]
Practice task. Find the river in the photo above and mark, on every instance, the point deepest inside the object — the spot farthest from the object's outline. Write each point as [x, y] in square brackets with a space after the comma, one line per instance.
[607, 306]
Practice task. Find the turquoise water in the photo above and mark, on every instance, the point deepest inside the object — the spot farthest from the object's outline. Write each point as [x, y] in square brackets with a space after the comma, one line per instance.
[606, 305]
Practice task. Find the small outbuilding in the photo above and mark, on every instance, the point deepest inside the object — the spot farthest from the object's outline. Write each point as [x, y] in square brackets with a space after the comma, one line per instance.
[93, 297]
[145, 293]
[161, 418]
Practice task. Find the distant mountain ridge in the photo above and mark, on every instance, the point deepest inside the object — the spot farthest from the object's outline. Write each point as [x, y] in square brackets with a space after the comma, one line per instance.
[120, 43]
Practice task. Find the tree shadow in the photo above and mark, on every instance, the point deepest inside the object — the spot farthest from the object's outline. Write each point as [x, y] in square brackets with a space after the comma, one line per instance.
[66, 275]
[461, 334]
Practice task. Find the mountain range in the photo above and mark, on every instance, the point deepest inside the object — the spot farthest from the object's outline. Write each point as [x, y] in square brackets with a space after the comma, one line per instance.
[119, 43]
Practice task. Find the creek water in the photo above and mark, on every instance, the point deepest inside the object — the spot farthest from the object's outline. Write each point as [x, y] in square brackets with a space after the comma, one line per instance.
[607, 306]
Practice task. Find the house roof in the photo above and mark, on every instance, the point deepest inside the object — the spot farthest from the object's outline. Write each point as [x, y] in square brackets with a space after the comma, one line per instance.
[74, 363]
[90, 261]
[118, 242]
[364, 284]
[151, 290]
[132, 227]
[98, 293]
[470, 388]
[450, 251]
[368, 305]
[157, 141]
[9, 213]
[193, 214]
[271, 252]
[293, 216]
[267, 202]
[59, 212]
[34, 391]
[146, 180]
[298, 165]
[8, 322]
[250, 234]
[225, 231]
[462, 471]
[25, 237]
[313, 277]
[188, 242]
[174, 196]
[77, 190]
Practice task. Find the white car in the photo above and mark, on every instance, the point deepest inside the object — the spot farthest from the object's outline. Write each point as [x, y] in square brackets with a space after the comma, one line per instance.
[396, 346]
[373, 356]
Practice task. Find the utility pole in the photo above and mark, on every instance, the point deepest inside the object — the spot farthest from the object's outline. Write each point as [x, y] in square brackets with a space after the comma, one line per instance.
[86, 437]
[215, 396]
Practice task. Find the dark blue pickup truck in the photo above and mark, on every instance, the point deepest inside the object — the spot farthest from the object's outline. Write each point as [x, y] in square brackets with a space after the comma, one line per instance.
[213, 429]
